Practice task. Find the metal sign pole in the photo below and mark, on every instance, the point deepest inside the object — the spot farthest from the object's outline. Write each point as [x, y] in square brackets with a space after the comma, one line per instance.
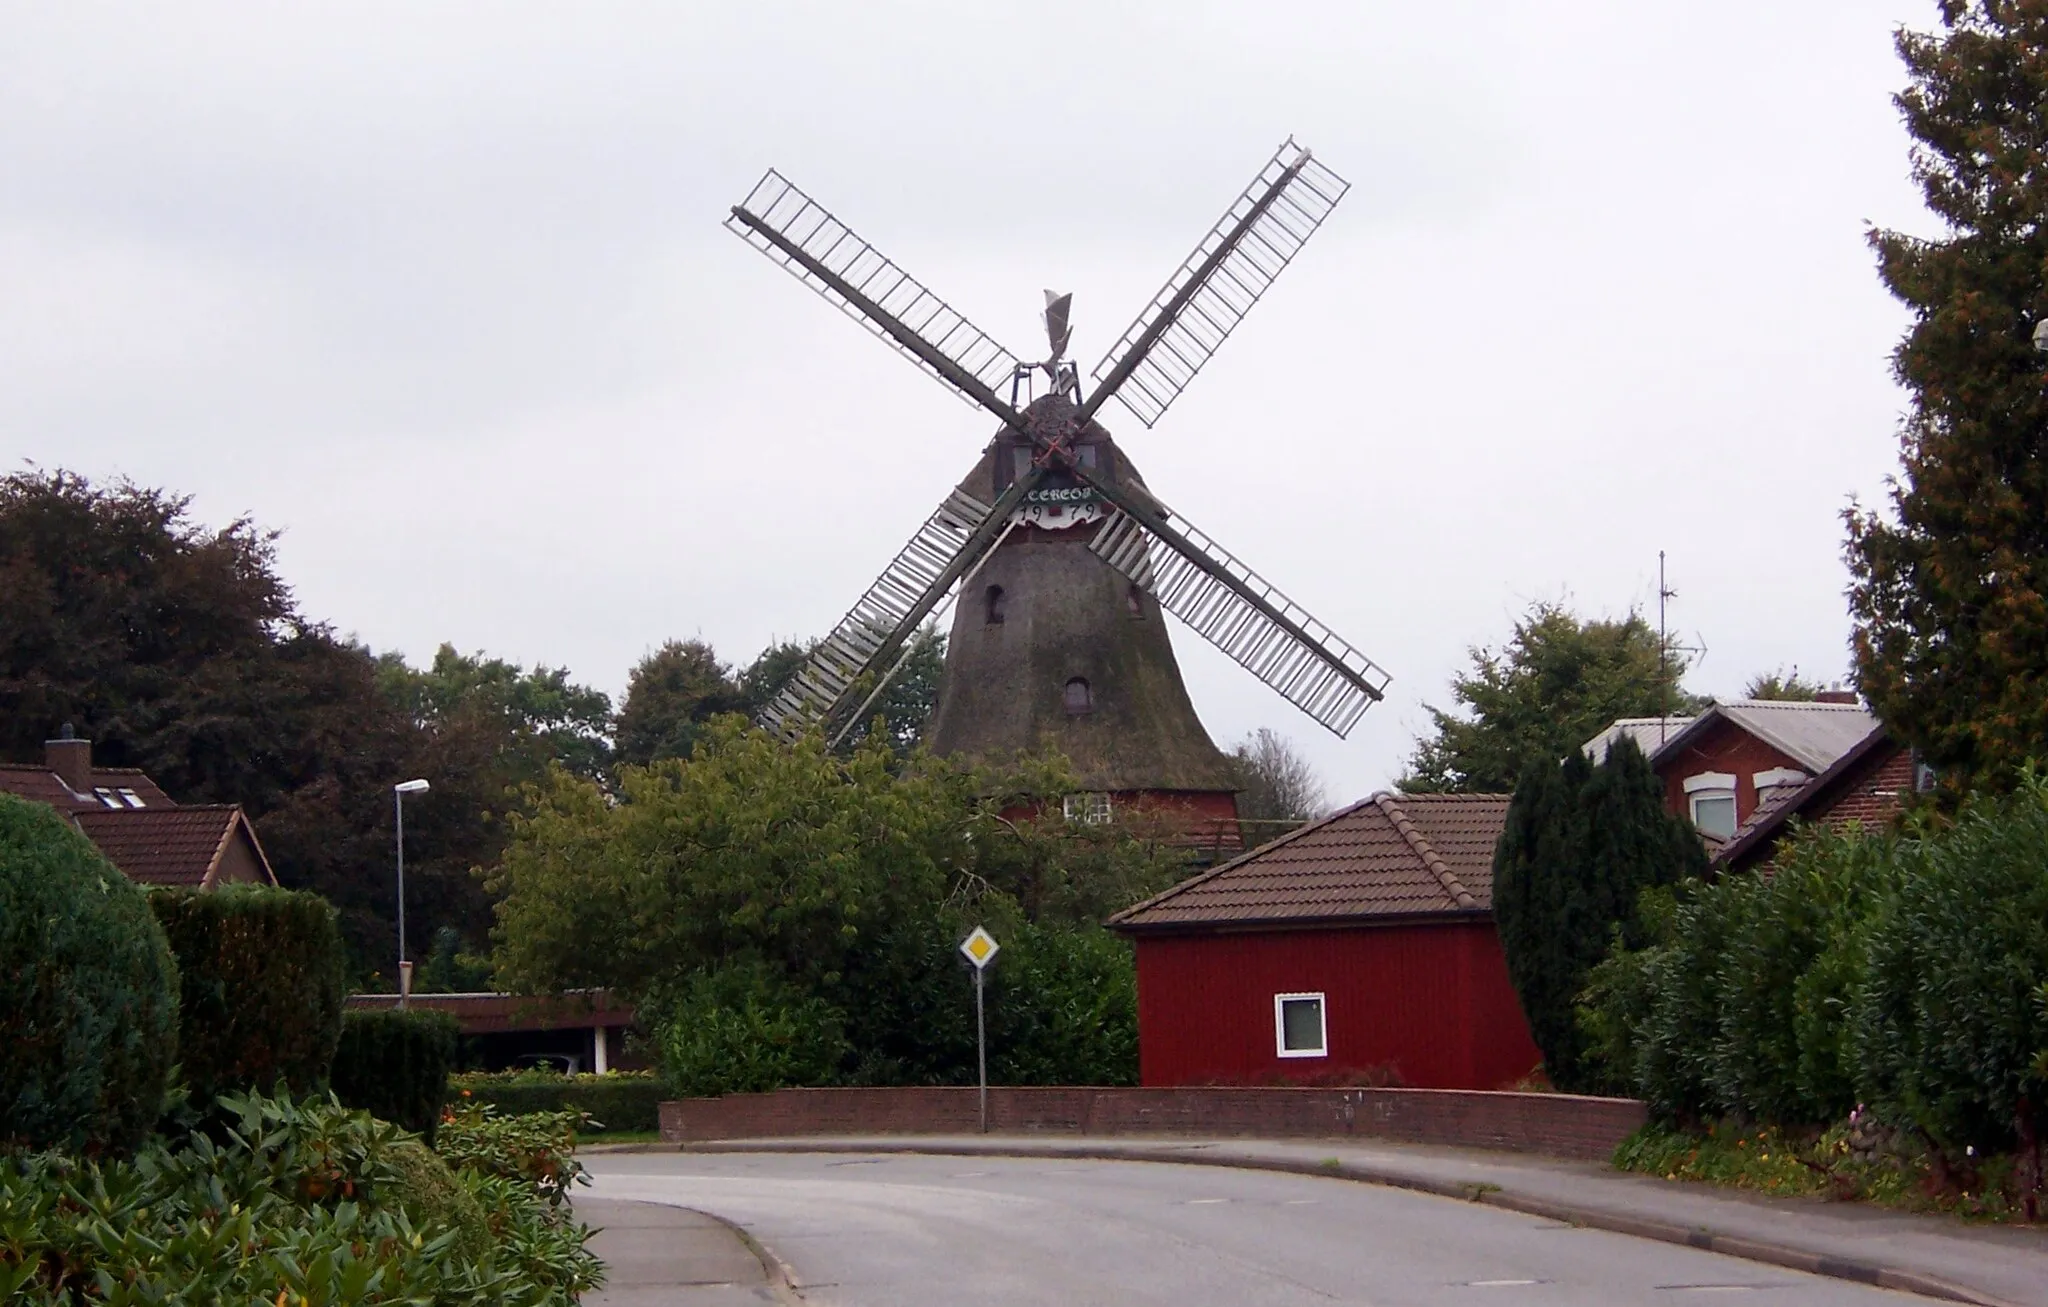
[981, 1047]
[980, 949]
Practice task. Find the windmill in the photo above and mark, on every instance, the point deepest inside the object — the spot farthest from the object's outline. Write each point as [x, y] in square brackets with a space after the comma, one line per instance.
[1061, 557]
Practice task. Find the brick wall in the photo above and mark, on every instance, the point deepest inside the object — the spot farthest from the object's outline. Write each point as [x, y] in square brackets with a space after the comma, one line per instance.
[1876, 795]
[1722, 747]
[1561, 1125]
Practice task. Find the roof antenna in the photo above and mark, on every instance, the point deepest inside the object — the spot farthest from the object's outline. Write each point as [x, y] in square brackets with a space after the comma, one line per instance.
[1666, 679]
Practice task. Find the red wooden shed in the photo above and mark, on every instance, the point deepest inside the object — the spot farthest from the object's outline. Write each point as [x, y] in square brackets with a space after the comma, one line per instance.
[1358, 948]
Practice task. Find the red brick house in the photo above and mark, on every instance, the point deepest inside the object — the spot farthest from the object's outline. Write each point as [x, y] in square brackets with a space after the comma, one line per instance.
[1720, 766]
[1868, 785]
[153, 840]
[1360, 947]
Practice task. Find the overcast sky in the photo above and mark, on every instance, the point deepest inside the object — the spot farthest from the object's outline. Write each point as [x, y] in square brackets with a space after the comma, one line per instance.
[441, 291]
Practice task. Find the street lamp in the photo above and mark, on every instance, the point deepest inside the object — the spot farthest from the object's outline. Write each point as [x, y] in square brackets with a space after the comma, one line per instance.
[398, 793]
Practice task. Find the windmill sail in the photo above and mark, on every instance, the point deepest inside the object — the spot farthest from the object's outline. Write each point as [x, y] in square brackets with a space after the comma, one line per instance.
[871, 636]
[817, 249]
[1192, 315]
[1235, 609]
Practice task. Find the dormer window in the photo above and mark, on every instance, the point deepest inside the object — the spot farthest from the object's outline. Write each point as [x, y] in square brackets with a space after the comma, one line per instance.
[992, 606]
[1076, 698]
[1711, 799]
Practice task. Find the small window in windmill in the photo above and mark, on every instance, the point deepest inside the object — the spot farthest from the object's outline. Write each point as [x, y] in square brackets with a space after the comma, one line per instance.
[994, 612]
[1077, 698]
[1020, 461]
[1134, 599]
[1085, 455]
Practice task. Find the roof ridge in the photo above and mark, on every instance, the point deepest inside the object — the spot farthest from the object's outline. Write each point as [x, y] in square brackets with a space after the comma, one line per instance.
[1204, 878]
[1431, 859]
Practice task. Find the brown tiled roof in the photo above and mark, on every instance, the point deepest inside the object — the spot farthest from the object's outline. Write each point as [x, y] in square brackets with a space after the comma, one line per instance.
[1390, 856]
[163, 846]
[36, 781]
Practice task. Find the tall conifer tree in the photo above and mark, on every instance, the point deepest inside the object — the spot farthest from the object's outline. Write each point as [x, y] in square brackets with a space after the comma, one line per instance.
[1581, 845]
[1951, 588]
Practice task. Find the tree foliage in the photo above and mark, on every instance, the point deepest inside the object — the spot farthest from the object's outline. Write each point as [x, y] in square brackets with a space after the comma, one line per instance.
[1278, 788]
[805, 878]
[1557, 682]
[675, 693]
[179, 649]
[1950, 588]
[1581, 844]
[1783, 685]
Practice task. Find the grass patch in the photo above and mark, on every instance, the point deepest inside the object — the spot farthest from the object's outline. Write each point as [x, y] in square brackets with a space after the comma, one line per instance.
[1848, 1162]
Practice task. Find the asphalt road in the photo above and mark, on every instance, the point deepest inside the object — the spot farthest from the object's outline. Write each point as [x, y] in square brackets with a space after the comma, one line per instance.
[907, 1231]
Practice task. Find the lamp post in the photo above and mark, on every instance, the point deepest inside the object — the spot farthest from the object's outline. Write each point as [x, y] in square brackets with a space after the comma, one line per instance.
[398, 793]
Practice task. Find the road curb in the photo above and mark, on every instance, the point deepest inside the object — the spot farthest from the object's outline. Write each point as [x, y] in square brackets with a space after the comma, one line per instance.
[1788, 1256]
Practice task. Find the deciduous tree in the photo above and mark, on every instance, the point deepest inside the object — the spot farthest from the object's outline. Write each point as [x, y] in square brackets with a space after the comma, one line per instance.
[1557, 682]
[1278, 788]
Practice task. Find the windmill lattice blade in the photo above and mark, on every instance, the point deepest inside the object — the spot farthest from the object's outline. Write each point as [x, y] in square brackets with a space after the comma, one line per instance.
[1202, 303]
[885, 616]
[778, 207]
[1310, 666]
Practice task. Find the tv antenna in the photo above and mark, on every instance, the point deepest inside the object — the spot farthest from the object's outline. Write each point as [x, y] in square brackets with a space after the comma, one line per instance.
[1666, 678]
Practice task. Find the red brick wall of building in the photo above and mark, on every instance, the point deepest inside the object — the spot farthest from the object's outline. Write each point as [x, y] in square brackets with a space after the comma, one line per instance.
[1562, 1125]
[1418, 1005]
[1874, 798]
[1722, 747]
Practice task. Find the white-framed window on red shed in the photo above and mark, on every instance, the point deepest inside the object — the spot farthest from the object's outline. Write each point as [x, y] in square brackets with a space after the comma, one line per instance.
[1299, 1029]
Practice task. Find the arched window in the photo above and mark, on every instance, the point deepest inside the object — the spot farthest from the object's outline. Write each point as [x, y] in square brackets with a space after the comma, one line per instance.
[993, 613]
[1077, 698]
[1134, 599]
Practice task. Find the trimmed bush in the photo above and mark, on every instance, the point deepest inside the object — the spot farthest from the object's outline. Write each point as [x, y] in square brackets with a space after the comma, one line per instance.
[743, 1029]
[621, 1101]
[88, 992]
[432, 1195]
[1945, 1023]
[394, 1065]
[1902, 974]
[261, 978]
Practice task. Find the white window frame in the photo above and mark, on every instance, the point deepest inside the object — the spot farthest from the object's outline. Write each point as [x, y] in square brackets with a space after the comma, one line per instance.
[1712, 785]
[1280, 1002]
[1776, 776]
[1089, 807]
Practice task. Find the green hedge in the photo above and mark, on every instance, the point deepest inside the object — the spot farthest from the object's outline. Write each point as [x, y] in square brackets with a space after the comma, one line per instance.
[1902, 974]
[621, 1101]
[261, 976]
[88, 992]
[394, 1065]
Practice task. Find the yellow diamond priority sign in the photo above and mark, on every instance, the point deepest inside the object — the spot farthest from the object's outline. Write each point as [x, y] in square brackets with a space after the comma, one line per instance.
[980, 948]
